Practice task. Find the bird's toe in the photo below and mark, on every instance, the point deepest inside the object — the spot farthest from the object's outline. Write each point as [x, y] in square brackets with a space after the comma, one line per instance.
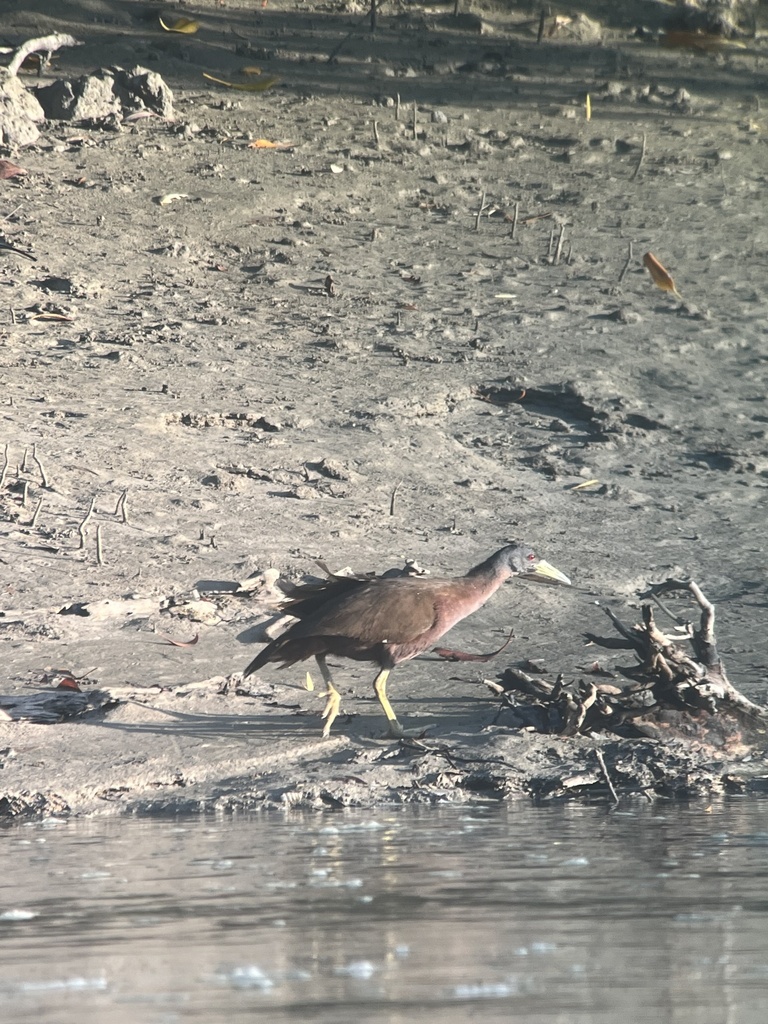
[397, 732]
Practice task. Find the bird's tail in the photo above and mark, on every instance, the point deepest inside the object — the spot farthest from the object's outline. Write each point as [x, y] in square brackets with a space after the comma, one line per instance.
[287, 650]
[258, 662]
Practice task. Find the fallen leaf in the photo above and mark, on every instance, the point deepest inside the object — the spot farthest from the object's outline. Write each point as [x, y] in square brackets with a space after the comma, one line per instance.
[187, 26]
[180, 643]
[585, 484]
[661, 277]
[139, 115]
[171, 197]
[8, 169]
[68, 683]
[264, 84]
[267, 144]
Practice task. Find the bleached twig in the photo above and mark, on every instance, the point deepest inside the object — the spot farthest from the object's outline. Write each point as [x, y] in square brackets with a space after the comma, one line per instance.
[43, 474]
[42, 43]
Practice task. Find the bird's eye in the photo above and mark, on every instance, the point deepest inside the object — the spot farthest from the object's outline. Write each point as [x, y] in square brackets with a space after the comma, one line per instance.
[531, 557]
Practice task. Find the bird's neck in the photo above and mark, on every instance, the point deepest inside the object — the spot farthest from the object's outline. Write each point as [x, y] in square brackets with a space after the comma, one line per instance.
[492, 572]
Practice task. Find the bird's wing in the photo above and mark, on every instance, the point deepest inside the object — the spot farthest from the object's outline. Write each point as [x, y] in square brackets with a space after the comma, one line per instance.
[398, 611]
[309, 598]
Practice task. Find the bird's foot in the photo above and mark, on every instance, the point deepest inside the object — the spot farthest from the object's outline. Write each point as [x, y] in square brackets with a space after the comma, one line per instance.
[397, 732]
[331, 710]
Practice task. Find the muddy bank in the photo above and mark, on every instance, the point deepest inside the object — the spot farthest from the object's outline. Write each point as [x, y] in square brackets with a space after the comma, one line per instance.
[185, 399]
[201, 750]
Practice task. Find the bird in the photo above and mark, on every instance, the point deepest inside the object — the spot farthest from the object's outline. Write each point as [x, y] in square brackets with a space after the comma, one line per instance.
[389, 620]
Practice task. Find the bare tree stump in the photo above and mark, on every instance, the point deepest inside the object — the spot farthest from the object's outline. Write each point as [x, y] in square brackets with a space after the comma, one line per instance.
[679, 688]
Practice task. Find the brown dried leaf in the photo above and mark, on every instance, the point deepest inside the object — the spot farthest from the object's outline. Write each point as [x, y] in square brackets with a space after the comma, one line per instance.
[8, 169]
[661, 276]
[68, 683]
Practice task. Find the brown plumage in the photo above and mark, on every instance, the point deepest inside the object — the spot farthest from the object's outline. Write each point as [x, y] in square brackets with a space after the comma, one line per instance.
[387, 621]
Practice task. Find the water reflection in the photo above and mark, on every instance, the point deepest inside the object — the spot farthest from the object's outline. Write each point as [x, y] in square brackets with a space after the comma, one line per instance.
[558, 913]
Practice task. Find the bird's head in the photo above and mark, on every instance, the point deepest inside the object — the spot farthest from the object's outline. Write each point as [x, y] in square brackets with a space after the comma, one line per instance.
[524, 562]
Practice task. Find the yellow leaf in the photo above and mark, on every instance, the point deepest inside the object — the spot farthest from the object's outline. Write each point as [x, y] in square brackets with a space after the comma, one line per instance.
[661, 277]
[584, 485]
[267, 144]
[184, 25]
[265, 83]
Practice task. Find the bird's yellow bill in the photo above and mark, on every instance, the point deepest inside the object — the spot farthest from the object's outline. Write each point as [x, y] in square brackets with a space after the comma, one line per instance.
[543, 572]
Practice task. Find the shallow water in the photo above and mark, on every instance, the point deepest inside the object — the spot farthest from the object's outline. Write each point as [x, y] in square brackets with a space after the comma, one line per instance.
[548, 914]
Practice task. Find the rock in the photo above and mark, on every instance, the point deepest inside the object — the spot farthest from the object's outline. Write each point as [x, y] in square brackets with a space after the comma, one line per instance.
[106, 92]
[19, 114]
[91, 96]
[681, 101]
[140, 87]
[585, 29]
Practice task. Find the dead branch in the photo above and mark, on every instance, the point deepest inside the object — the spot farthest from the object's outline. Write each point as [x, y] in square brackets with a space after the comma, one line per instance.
[43, 44]
[611, 787]
[674, 692]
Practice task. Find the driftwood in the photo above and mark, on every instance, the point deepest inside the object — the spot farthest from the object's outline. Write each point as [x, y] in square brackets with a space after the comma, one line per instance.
[42, 44]
[679, 688]
[20, 108]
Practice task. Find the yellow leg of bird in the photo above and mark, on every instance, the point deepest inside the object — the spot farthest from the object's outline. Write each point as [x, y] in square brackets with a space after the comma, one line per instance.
[396, 730]
[332, 695]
